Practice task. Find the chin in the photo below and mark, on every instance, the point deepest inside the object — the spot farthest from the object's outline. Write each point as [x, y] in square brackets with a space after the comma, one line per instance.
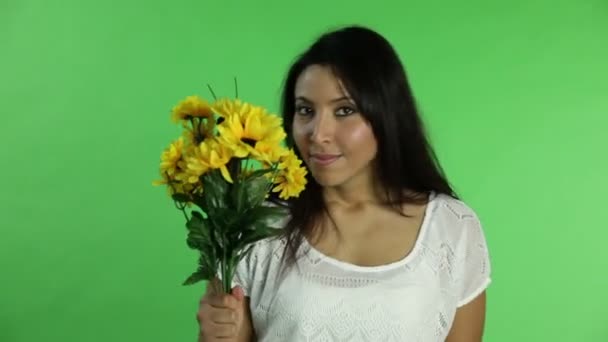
[327, 181]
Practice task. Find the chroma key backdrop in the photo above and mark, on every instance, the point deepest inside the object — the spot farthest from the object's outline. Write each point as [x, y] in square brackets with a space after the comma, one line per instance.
[515, 96]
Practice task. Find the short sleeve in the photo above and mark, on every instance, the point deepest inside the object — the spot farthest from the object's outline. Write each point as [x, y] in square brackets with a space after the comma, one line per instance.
[474, 261]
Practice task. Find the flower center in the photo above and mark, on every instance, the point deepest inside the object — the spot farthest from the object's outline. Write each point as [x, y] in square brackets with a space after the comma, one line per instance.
[249, 141]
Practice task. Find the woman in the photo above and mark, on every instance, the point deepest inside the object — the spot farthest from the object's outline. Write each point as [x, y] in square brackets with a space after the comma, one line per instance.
[378, 247]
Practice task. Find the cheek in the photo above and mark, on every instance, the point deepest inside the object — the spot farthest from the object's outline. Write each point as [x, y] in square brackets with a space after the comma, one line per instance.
[299, 133]
[359, 139]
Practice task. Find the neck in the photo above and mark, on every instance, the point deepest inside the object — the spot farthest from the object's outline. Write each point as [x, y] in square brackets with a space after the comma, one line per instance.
[364, 193]
[354, 193]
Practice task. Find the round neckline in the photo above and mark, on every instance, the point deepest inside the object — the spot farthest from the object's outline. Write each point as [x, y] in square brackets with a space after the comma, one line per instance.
[422, 232]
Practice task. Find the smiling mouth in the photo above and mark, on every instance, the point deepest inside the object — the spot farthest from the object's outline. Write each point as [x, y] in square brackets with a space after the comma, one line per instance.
[323, 160]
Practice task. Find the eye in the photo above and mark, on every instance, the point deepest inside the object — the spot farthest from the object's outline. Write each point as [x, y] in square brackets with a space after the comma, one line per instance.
[345, 111]
[303, 110]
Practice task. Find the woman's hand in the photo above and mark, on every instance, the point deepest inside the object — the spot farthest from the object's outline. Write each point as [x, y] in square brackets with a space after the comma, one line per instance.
[223, 317]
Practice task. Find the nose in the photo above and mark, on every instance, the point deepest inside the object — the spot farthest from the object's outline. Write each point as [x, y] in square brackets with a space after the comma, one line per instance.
[323, 128]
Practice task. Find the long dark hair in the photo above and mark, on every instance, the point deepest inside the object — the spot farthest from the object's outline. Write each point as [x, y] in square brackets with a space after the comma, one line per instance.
[373, 75]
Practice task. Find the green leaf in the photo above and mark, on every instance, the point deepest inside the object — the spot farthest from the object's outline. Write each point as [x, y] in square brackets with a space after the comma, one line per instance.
[207, 268]
[235, 219]
[257, 218]
[238, 194]
[198, 242]
[194, 278]
[200, 202]
[202, 274]
[225, 218]
[259, 232]
[208, 261]
[197, 215]
[215, 190]
[258, 173]
[199, 223]
[198, 229]
[219, 238]
[194, 241]
[265, 214]
[250, 191]
[257, 188]
[244, 252]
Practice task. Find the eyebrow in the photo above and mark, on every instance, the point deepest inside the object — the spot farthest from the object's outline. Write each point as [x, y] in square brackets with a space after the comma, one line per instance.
[303, 98]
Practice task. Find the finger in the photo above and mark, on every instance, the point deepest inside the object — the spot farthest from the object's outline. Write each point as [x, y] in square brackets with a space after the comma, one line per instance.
[208, 313]
[238, 293]
[223, 316]
[219, 331]
[223, 301]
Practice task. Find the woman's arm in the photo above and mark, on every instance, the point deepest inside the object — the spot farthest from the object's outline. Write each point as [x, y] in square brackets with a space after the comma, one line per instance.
[469, 322]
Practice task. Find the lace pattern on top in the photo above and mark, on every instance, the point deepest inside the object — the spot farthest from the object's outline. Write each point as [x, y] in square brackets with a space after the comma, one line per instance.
[414, 299]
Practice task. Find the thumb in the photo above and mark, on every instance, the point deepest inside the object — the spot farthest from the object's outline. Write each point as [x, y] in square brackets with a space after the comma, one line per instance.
[238, 293]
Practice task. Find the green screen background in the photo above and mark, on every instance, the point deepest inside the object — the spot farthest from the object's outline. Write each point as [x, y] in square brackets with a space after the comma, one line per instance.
[514, 93]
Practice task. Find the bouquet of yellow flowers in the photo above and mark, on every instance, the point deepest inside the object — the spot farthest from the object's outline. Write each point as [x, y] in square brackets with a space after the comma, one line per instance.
[226, 162]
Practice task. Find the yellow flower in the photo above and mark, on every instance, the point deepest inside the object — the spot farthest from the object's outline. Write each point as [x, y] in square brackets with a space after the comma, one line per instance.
[291, 183]
[194, 166]
[289, 161]
[249, 130]
[182, 188]
[268, 153]
[291, 176]
[188, 135]
[174, 173]
[171, 156]
[227, 107]
[209, 155]
[201, 131]
[191, 107]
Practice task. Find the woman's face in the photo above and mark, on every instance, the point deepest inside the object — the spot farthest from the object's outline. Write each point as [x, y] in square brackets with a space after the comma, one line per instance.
[335, 141]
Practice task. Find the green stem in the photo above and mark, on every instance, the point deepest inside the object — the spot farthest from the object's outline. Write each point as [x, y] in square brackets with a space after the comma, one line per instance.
[234, 167]
[183, 210]
[274, 177]
[226, 279]
[212, 92]
[236, 89]
[247, 164]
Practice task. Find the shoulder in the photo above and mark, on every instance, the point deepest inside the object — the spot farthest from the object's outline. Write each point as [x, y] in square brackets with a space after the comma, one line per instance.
[456, 229]
[261, 255]
[452, 219]
[267, 248]
[452, 208]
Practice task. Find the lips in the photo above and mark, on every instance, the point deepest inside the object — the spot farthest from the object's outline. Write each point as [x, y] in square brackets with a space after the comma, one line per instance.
[323, 158]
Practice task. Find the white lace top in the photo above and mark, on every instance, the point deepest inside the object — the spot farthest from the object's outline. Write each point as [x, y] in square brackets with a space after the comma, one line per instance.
[414, 299]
